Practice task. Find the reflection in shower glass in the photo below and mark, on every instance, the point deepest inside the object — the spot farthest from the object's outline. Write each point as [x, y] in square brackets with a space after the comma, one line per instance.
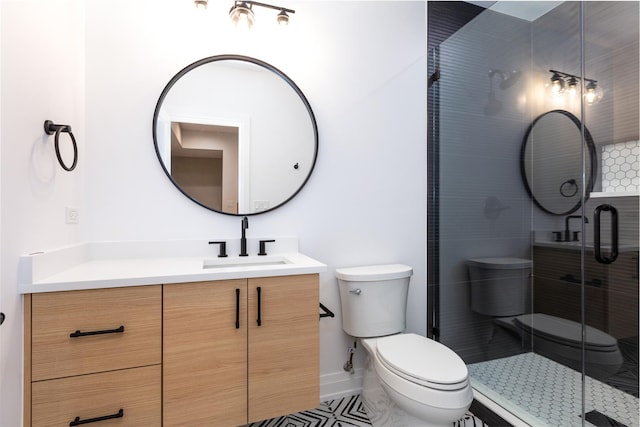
[549, 333]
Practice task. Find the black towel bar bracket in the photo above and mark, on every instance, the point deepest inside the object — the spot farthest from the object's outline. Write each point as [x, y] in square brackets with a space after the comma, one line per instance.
[326, 312]
[51, 128]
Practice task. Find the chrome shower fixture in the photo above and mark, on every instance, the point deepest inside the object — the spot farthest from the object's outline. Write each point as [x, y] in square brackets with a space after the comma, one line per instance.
[507, 79]
[562, 83]
[241, 13]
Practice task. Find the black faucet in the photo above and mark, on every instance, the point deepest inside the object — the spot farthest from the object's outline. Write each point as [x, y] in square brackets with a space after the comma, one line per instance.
[567, 232]
[223, 248]
[243, 240]
[263, 246]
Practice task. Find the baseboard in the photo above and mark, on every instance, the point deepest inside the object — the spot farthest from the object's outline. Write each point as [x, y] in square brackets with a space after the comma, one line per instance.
[340, 384]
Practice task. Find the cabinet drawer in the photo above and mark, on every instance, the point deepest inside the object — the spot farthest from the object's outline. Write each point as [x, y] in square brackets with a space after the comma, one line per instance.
[91, 397]
[96, 314]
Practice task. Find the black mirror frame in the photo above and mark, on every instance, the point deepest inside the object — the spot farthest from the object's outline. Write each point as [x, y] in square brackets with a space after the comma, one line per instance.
[262, 64]
[591, 149]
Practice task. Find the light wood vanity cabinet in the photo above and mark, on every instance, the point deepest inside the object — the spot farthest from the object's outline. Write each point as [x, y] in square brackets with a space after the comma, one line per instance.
[185, 354]
[91, 354]
[219, 372]
[623, 298]
[610, 294]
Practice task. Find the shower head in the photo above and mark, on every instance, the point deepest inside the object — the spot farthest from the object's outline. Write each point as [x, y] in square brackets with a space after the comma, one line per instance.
[507, 79]
[511, 78]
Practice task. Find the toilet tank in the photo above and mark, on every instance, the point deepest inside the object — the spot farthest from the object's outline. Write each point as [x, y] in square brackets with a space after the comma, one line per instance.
[374, 299]
[499, 286]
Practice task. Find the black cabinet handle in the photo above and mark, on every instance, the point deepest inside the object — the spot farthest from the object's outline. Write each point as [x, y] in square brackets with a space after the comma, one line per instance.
[78, 421]
[77, 334]
[259, 290]
[237, 308]
[597, 249]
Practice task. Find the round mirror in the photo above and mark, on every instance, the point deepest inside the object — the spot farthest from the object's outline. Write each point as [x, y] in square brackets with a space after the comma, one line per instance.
[235, 135]
[551, 162]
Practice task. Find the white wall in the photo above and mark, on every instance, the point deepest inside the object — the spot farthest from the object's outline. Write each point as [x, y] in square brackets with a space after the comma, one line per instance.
[364, 76]
[42, 78]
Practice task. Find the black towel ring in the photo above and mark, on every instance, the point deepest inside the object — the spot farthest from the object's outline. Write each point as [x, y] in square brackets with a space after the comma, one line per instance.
[567, 187]
[50, 128]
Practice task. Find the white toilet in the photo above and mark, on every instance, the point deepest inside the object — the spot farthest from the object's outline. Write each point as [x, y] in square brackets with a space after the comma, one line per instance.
[499, 287]
[410, 380]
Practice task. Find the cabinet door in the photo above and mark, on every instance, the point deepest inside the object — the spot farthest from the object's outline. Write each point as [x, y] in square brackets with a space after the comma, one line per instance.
[622, 279]
[204, 354]
[284, 365]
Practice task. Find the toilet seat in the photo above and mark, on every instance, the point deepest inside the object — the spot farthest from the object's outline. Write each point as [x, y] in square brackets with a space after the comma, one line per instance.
[566, 332]
[405, 355]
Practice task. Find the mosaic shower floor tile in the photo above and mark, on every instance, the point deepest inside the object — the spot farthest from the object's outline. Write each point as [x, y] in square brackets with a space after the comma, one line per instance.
[545, 393]
[345, 412]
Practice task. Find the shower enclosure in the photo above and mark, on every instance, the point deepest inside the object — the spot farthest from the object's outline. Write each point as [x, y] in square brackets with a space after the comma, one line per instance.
[533, 155]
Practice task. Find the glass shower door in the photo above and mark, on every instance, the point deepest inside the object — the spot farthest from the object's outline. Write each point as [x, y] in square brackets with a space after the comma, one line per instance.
[611, 258]
[516, 158]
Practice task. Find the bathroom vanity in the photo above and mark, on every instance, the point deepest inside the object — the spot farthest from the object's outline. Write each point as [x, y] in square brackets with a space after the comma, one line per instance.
[165, 340]
[609, 288]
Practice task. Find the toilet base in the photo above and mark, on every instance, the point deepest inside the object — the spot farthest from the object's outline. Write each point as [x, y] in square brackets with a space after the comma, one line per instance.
[384, 411]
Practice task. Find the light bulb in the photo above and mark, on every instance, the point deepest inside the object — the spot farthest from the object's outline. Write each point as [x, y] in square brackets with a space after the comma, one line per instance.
[593, 93]
[572, 85]
[241, 15]
[557, 84]
[282, 18]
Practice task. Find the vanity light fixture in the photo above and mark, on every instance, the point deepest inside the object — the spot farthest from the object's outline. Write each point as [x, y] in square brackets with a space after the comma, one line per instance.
[283, 18]
[241, 13]
[572, 86]
[201, 4]
[593, 92]
[562, 83]
[557, 83]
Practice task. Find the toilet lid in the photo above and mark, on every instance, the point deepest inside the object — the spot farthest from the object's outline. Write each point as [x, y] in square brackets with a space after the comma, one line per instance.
[565, 332]
[422, 361]
[371, 273]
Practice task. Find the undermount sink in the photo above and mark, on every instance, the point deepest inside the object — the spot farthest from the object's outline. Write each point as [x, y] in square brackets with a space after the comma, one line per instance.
[245, 262]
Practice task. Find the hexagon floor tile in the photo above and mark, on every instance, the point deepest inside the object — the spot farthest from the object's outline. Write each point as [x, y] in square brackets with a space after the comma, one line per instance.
[545, 393]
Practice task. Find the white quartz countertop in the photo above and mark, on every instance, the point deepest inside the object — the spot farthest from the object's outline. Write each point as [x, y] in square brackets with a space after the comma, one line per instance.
[117, 264]
[546, 239]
